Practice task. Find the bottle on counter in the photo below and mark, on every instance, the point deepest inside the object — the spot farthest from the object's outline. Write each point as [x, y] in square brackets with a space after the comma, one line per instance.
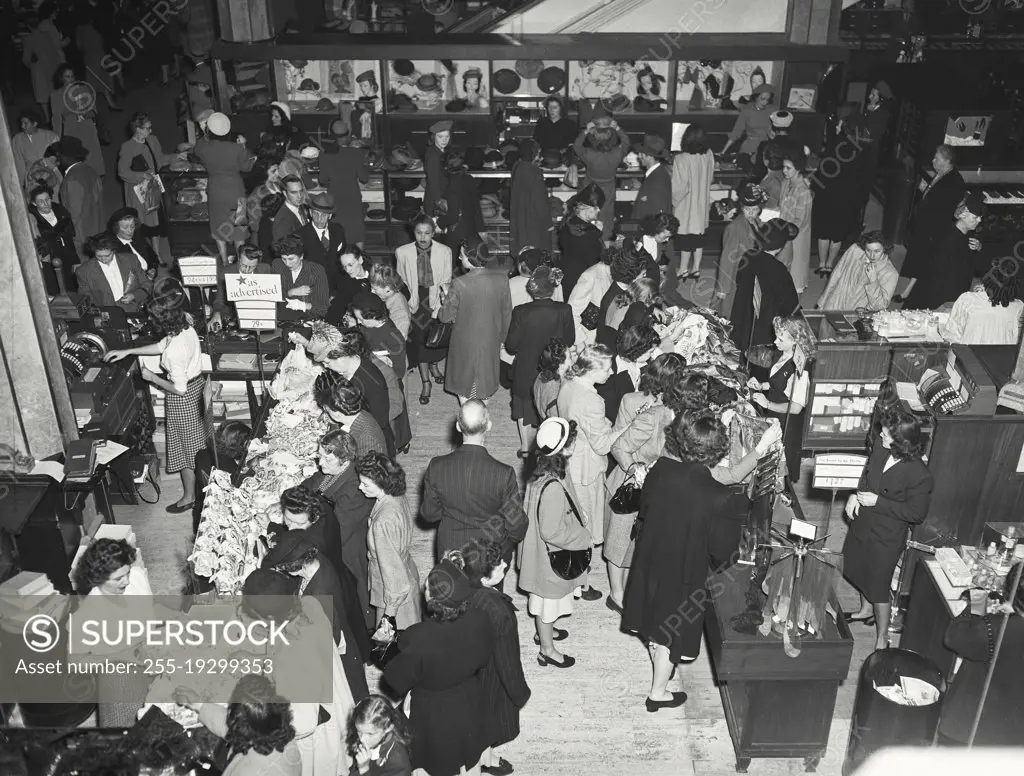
[1009, 547]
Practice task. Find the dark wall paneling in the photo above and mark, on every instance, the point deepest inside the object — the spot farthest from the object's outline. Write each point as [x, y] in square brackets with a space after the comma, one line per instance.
[837, 364]
[1002, 497]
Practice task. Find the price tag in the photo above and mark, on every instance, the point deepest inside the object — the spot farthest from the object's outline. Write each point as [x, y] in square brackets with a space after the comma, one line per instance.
[838, 471]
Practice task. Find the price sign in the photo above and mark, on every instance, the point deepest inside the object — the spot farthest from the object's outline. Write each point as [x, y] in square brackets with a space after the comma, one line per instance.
[253, 288]
[838, 471]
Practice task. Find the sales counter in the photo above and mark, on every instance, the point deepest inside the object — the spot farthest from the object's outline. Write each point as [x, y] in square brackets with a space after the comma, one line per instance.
[933, 605]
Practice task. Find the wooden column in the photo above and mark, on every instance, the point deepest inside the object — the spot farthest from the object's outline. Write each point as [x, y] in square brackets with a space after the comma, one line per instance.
[36, 416]
[244, 21]
[815, 22]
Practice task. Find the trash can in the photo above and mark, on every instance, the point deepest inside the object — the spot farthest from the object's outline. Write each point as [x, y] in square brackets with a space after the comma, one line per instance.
[899, 697]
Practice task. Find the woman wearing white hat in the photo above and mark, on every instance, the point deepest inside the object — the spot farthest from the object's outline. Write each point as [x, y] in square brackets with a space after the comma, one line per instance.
[225, 161]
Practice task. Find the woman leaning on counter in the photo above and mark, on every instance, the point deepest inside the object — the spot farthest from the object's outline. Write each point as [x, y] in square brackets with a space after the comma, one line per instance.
[894, 494]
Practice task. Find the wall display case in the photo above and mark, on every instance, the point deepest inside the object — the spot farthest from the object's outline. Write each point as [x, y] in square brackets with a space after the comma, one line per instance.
[723, 85]
[536, 78]
[321, 86]
[187, 211]
[438, 86]
[247, 86]
[623, 87]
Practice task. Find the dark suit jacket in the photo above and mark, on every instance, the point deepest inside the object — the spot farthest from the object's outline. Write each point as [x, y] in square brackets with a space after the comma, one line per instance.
[529, 211]
[142, 246]
[341, 172]
[281, 225]
[471, 495]
[81, 192]
[352, 511]
[778, 297]
[313, 250]
[532, 327]
[932, 218]
[93, 283]
[464, 218]
[311, 275]
[655, 194]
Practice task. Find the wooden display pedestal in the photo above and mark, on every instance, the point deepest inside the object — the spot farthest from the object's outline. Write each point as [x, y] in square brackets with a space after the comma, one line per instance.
[775, 706]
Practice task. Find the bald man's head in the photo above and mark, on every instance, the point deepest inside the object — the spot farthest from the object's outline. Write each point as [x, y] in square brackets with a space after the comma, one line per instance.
[474, 419]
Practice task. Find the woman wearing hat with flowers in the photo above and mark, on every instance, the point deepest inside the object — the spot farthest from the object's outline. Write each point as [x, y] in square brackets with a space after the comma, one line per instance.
[738, 238]
[754, 122]
[437, 662]
[225, 160]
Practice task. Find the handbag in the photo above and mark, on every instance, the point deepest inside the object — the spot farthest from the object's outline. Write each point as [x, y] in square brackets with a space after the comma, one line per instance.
[626, 500]
[572, 176]
[568, 564]
[438, 334]
[383, 652]
[590, 317]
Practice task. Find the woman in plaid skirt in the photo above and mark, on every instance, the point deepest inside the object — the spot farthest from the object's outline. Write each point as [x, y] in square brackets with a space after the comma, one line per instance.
[183, 384]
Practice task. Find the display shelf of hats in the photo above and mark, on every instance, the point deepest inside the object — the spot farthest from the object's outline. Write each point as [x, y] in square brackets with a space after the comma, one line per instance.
[185, 195]
[437, 86]
[323, 86]
[247, 87]
[528, 82]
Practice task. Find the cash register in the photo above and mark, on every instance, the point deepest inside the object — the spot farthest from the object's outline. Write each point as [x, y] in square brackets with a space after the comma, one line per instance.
[960, 386]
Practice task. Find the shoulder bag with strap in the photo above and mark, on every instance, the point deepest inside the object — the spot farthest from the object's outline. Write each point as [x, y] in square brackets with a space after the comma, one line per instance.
[567, 564]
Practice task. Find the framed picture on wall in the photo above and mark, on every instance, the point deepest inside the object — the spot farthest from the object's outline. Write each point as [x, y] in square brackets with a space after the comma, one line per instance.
[801, 97]
[437, 86]
[711, 84]
[319, 86]
[633, 86]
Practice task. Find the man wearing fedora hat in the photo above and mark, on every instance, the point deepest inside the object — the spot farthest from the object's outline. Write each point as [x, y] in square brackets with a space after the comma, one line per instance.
[322, 237]
[81, 191]
[655, 194]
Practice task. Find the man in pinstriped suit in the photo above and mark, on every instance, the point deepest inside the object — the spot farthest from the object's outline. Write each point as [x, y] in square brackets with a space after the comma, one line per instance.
[469, 494]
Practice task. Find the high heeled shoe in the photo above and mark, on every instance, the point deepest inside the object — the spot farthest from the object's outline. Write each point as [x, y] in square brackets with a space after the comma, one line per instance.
[436, 374]
[678, 699]
[559, 635]
[425, 394]
[544, 660]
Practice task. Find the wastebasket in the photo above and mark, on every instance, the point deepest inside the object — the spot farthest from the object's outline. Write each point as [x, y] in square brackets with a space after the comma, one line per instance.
[883, 715]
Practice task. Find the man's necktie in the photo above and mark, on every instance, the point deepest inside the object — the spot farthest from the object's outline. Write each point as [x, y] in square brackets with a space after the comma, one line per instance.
[325, 241]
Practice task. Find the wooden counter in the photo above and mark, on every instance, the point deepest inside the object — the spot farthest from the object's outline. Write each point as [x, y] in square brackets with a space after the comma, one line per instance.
[758, 681]
[928, 615]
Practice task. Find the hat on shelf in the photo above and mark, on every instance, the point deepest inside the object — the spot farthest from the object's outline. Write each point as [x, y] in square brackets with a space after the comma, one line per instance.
[763, 89]
[324, 105]
[406, 209]
[590, 195]
[553, 435]
[974, 202]
[653, 145]
[322, 201]
[781, 119]
[403, 67]
[551, 80]
[751, 194]
[617, 102]
[441, 126]
[773, 235]
[401, 103]
[551, 158]
[283, 108]
[456, 106]
[529, 68]
[376, 214]
[309, 85]
[506, 81]
[428, 83]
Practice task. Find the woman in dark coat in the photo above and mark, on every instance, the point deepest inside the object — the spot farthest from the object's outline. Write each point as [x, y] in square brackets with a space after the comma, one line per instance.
[764, 288]
[460, 215]
[529, 211]
[302, 510]
[439, 661]
[225, 161]
[338, 485]
[341, 172]
[299, 553]
[894, 493]
[479, 307]
[504, 685]
[972, 637]
[627, 265]
[952, 261]
[57, 237]
[931, 217]
[690, 525]
[532, 327]
[579, 236]
[601, 146]
[555, 131]
[436, 179]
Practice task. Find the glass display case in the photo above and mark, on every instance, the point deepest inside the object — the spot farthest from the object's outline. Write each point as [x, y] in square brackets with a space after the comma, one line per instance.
[246, 87]
[185, 197]
[720, 84]
[528, 78]
[438, 86]
[636, 86]
[322, 86]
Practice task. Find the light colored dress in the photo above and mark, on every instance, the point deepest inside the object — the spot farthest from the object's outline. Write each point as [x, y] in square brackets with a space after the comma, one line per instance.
[589, 461]
[691, 190]
[795, 206]
[848, 288]
[974, 320]
[394, 579]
